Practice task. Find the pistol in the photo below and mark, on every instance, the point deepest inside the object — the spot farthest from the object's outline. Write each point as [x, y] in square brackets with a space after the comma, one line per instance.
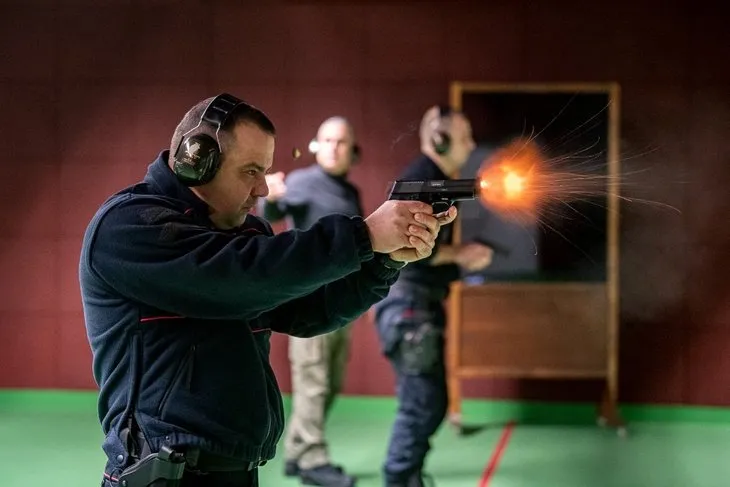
[440, 194]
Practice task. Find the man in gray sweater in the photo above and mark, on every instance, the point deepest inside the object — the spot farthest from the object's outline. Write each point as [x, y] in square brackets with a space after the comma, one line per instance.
[317, 364]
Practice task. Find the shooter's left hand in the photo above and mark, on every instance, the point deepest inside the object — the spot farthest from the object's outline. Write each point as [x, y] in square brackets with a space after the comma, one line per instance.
[423, 237]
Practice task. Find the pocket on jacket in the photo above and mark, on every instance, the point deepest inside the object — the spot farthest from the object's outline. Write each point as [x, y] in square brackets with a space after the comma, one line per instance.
[182, 378]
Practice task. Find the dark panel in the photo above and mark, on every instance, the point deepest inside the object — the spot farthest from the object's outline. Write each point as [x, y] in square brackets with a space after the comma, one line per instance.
[708, 289]
[30, 275]
[97, 124]
[606, 41]
[708, 44]
[535, 390]
[29, 120]
[250, 45]
[653, 283]
[327, 44]
[115, 43]
[709, 182]
[653, 365]
[406, 42]
[28, 33]
[99, 46]
[708, 365]
[654, 164]
[29, 197]
[169, 45]
[74, 369]
[485, 42]
[69, 294]
[30, 350]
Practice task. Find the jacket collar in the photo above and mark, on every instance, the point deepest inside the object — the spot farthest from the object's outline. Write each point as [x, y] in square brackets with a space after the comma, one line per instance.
[163, 180]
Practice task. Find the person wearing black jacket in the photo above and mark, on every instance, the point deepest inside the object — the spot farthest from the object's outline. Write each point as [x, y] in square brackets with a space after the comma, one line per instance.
[411, 319]
[318, 364]
[182, 288]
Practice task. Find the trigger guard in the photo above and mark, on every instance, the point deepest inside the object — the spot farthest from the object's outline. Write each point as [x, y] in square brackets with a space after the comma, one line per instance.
[440, 207]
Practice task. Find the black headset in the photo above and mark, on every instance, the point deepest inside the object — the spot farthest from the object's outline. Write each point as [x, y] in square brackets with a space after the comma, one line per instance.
[198, 155]
[441, 140]
[355, 155]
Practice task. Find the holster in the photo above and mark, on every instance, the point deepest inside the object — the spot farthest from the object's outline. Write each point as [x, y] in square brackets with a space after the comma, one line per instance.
[420, 348]
[162, 469]
[410, 325]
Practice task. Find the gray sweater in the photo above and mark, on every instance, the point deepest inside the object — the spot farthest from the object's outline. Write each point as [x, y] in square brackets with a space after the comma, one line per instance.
[312, 193]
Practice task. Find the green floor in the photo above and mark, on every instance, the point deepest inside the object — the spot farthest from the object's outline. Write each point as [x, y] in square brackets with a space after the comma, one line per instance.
[53, 439]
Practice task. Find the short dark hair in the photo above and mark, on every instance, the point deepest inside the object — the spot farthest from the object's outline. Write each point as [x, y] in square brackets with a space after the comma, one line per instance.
[243, 113]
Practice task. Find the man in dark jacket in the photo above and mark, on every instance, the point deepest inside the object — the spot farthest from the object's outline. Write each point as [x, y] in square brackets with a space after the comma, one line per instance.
[412, 319]
[318, 364]
[182, 288]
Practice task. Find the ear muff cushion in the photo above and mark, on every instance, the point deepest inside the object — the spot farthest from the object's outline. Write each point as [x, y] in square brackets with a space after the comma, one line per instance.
[196, 159]
[441, 142]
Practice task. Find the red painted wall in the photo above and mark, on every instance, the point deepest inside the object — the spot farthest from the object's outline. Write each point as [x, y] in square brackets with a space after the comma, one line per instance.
[90, 92]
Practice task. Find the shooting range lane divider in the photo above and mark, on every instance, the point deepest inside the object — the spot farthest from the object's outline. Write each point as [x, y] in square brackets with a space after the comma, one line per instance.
[496, 457]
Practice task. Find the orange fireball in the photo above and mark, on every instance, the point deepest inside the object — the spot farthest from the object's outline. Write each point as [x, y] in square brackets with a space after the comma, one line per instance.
[507, 177]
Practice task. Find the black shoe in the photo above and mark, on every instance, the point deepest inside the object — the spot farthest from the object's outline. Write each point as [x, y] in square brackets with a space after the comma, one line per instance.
[291, 468]
[326, 476]
[418, 479]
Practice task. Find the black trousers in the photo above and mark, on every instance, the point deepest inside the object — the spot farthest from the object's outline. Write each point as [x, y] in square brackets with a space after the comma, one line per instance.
[411, 331]
[208, 479]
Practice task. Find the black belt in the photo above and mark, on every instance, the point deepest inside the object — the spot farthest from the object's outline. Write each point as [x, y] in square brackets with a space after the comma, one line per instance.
[209, 462]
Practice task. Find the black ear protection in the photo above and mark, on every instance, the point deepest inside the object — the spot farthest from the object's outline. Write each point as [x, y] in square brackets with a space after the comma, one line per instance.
[441, 140]
[355, 156]
[198, 155]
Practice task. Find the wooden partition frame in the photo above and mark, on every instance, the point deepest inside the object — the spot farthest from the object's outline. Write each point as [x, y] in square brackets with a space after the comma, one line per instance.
[467, 304]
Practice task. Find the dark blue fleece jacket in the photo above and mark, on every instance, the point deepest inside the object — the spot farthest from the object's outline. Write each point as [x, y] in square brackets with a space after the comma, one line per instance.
[179, 314]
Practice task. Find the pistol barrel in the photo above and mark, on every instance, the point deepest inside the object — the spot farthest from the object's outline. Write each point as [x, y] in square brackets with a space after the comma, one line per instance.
[440, 193]
[455, 189]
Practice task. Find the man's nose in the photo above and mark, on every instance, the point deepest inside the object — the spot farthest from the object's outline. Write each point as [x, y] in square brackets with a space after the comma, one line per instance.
[262, 189]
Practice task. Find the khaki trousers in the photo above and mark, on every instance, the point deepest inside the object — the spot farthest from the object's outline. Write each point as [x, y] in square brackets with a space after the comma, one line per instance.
[318, 368]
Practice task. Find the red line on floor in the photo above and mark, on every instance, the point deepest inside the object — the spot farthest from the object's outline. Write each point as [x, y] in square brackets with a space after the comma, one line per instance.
[497, 454]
